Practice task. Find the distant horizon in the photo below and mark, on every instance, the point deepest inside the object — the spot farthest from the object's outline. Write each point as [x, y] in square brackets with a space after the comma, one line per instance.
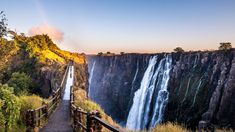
[125, 25]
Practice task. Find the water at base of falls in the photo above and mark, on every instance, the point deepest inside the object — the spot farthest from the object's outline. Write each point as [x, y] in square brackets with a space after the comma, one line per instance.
[69, 83]
[151, 98]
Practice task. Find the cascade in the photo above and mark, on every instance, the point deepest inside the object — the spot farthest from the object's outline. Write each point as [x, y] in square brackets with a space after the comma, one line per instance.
[90, 78]
[152, 91]
[69, 83]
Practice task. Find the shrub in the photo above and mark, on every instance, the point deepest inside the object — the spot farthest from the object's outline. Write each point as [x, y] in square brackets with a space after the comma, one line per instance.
[2, 121]
[29, 102]
[10, 107]
[20, 82]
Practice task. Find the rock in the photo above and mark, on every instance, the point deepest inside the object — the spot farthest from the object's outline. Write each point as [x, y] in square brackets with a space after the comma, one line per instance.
[201, 86]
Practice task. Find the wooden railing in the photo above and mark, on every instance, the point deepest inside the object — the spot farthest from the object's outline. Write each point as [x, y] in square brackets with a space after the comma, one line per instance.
[83, 121]
[38, 117]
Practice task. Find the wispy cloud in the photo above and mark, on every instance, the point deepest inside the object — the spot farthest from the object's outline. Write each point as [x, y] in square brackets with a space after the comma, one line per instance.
[55, 34]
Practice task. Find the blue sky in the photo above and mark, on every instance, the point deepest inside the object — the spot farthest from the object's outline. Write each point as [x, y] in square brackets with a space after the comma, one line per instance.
[128, 25]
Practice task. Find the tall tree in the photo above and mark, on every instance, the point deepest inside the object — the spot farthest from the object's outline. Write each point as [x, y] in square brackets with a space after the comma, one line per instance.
[225, 46]
[3, 24]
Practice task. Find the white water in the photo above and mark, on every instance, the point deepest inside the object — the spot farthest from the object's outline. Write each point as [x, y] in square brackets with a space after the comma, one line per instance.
[163, 94]
[136, 73]
[69, 83]
[90, 78]
[198, 87]
[154, 80]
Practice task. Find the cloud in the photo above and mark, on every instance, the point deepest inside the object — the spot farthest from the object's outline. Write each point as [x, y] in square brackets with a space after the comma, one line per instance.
[55, 34]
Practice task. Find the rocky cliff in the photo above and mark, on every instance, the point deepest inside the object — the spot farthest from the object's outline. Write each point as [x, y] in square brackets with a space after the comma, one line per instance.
[200, 90]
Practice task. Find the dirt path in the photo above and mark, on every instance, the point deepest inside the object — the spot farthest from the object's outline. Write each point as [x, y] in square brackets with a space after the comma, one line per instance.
[59, 120]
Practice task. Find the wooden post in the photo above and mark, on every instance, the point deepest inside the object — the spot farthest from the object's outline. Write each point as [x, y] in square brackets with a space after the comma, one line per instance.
[89, 121]
[34, 118]
[45, 111]
[39, 115]
[75, 118]
[28, 121]
[98, 126]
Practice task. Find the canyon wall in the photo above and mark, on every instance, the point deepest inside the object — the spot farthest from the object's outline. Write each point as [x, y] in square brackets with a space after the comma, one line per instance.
[200, 89]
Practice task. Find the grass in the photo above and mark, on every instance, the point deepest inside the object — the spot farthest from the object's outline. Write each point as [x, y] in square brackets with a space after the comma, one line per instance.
[52, 56]
[169, 127]
[29, 102]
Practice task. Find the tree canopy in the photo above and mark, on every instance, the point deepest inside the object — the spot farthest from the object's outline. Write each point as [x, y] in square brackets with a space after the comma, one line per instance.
[3, 24]
[225, 46]
[178, 49]
[20, 82]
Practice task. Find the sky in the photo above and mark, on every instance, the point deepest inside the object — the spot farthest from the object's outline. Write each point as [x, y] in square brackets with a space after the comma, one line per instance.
[143, 26]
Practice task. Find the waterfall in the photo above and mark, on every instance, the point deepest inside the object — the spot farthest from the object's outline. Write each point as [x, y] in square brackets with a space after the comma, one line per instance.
[90, 78]
[152, 91]
[69, 83]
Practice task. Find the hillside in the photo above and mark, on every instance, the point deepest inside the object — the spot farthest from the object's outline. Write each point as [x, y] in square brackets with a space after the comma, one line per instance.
[37, 57]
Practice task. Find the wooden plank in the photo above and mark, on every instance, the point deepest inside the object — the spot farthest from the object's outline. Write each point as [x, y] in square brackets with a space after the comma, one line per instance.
[110, 127]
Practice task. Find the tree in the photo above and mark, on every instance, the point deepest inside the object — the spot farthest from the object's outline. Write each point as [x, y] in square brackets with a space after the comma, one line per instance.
[20, 82]
[9, 107]
[178, 49]
[3, 24]
[225, 46]
[100, 53]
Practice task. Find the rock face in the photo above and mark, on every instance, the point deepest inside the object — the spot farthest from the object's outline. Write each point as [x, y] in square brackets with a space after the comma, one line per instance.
[50, 77]
[201, 86]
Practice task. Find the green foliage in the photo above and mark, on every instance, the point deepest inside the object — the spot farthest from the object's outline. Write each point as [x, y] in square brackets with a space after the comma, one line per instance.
[29, 102]
[10, 107]
[2, 121]
[178, 49]
[3, 24]
[20, 82]
[225, 46]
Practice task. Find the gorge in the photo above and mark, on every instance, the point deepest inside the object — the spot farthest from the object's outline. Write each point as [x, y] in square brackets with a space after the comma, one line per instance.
[141, 90]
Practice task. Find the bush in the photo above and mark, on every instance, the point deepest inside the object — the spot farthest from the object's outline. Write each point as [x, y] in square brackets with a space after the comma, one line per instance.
[29, 102]
[20, 82]
[10, 107]
[2, 121]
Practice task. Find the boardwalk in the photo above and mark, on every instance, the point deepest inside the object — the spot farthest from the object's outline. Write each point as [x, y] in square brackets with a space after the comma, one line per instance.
[60, 119]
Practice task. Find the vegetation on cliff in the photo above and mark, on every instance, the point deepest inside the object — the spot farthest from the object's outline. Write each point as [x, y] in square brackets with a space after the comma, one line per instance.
[25, 63]
[82, 101]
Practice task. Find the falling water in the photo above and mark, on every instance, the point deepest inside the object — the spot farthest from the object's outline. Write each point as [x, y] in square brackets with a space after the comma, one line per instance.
[198, 87]
[90, 78]
[153, 90]
[69, 83]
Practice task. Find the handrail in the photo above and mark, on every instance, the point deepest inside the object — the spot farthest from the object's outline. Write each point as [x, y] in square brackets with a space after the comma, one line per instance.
[87, 121]
[111, 128]
[36, 117]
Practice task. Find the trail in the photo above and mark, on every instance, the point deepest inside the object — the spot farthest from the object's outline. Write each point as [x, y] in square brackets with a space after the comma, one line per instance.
[59, 121]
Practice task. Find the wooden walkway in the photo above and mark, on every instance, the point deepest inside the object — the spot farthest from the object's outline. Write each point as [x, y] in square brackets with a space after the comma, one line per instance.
[60, 119]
